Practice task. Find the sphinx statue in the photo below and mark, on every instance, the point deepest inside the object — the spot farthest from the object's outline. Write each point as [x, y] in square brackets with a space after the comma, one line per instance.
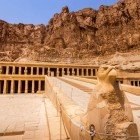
[108, 109]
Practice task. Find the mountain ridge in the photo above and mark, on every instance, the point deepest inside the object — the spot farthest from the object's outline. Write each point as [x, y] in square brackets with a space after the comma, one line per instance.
[75, 36]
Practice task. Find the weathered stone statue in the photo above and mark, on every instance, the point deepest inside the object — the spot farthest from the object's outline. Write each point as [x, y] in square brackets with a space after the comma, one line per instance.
[108, 108]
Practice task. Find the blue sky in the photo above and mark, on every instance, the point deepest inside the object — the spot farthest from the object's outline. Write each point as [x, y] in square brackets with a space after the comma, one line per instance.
[40, 11]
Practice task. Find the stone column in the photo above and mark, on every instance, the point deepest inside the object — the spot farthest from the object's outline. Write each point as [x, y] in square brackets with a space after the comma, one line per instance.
[37, 70]
[57, 72]
[12, 87]
[73, 72]
[49, 72]
[33, 86]
[13, 71]
[68, 71]
[43, 71]
[31, 70]
[26, 86]
[63, 72]
[87, 74]
[92, 72]
[96, 70]
[25, 71]
[77, 72]
[19, 86]
[4, 89]
[39, 82]
[7, 70]
[19, 70]
[82, 70]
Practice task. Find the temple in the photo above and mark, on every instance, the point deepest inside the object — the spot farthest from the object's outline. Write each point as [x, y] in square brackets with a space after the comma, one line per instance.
[30, 77]
[63, 92]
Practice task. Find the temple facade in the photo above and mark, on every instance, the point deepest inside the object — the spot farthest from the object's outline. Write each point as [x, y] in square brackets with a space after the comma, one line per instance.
[30, 77]
[17, 77]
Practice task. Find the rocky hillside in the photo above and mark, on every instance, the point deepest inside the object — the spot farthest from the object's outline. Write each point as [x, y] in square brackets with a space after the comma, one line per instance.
[75, 36]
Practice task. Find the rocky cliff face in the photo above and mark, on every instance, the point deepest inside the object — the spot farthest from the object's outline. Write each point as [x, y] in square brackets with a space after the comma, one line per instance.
[73, 36]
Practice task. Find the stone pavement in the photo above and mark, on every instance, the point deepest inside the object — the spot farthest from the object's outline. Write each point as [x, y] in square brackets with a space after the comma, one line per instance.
[23, 117]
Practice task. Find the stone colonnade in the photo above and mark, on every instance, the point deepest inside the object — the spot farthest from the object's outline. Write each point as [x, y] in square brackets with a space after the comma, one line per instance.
[135, 83]
[129, 81]
[18, 77]
[50, 71]
[21, 86]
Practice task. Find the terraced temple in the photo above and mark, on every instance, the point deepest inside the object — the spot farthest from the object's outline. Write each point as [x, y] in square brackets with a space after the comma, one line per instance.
[16, 77]
[29, 77]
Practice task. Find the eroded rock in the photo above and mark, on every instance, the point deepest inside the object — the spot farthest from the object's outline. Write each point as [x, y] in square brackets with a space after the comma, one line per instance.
[87, 33]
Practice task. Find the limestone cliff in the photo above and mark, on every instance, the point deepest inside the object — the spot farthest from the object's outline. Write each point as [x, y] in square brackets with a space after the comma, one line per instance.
[70, 36]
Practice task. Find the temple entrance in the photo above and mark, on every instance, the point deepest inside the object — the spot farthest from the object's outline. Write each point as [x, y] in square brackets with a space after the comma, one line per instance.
[53, 71]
